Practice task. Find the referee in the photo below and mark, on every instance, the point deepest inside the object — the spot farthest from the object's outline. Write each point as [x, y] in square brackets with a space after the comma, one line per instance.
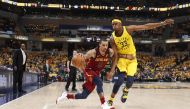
[72, 74]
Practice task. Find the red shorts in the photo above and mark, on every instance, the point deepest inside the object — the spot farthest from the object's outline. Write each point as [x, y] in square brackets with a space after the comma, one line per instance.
[89, 75]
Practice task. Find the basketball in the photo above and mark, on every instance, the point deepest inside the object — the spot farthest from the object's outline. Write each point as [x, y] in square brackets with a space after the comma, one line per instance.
[78, 61]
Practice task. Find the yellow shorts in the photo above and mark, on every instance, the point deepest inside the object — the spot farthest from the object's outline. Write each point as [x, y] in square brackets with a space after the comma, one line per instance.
[128, 66]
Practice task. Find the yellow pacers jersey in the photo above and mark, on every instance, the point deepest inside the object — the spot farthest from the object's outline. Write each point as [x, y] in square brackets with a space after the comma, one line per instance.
[124, 43]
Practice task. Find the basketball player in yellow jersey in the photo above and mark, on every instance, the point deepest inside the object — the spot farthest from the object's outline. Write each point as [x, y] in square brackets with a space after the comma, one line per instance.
[125, 60]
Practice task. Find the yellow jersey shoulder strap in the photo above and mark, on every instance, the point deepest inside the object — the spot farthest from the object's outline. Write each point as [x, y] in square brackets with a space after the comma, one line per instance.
[125, 29]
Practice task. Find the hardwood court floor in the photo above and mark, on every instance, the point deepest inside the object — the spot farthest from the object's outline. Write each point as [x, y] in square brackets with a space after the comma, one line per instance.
[141, 96]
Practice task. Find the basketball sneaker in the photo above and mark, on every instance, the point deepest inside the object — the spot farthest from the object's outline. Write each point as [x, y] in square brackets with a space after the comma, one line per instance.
[67, 89]
[110, 102]
[107, 106]
[125, 95]
[62, 97]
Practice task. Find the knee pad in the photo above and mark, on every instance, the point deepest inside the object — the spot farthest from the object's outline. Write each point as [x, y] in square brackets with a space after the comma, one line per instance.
[129, 81]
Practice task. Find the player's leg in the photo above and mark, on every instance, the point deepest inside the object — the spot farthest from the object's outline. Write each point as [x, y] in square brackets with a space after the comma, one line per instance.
[120, 76]
[131, 70]
[119, 81]
[129, 83]
[88, 87]
[66, 95]
[69, 80]
[74, 79]
[98, 82]
[82, 95]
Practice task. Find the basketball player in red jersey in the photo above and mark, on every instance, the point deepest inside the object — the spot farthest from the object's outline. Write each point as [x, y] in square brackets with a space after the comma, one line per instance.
[97, 59]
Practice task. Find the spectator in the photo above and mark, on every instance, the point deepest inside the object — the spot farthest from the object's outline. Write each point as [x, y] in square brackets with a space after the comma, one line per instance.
[19, 66]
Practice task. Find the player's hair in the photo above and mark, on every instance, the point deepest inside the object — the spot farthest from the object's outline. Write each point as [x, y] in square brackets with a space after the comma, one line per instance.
[103, 39]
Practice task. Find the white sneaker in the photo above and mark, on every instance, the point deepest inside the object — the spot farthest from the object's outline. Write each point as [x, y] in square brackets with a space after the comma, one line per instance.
[62, 97]
[106, 106]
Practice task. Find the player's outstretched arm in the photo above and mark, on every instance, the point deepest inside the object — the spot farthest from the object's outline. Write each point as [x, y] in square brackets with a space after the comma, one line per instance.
[149, 26]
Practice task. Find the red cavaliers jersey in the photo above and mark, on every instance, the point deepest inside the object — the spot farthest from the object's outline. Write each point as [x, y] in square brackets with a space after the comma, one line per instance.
[98, 63]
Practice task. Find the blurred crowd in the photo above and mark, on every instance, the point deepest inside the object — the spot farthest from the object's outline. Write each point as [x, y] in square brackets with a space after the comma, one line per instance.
[36, 61]
[150, 68]
[168, 68]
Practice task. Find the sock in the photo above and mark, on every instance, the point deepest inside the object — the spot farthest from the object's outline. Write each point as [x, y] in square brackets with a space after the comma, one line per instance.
[102, 99]
[70, 96]
[111, 98]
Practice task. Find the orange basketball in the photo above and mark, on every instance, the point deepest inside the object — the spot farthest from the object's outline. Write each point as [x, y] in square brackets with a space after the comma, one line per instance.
[78, 61]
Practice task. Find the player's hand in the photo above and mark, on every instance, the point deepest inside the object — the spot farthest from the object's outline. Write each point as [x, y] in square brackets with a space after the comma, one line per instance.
[169, 22]
[80, 54]
[109, 75]
[90, 78]
[127, 56]
[81, 70]
[130, 57]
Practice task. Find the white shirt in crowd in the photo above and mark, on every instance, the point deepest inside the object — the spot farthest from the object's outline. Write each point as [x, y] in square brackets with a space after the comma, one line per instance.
[24, 57]
[47, 65]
